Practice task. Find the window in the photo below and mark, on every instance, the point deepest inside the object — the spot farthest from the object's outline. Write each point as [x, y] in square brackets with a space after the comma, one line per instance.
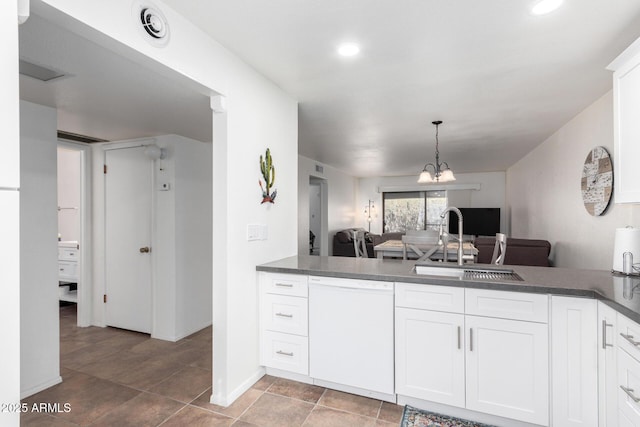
[419, 210]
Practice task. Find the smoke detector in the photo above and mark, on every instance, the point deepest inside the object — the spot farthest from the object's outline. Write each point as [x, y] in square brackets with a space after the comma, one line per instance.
[151, 23]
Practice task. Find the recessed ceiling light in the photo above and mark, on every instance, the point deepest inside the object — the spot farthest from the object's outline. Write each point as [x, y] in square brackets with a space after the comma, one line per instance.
[545, 6]
[348, 49]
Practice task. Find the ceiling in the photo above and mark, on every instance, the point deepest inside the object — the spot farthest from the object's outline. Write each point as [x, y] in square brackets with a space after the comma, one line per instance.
[104, 95]
[501, 79]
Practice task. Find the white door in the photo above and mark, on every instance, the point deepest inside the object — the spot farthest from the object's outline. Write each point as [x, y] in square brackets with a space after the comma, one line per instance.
[508, 368]
[628, 389]
[128, 189]
[430, 356]
[607, 372]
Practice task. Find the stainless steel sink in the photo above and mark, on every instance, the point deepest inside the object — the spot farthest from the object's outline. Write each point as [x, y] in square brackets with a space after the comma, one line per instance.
[468, 272]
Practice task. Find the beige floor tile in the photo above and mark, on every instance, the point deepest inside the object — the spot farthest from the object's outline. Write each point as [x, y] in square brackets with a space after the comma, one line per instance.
[327, 417]
[112, 366]
[36, 419]
[234, 410]
[277, 411]
[203, 335]
[241, 423]
[185, 385]
[350, 403]
[264, 383]
[147, 373]
[296, 390]
[381, 423]
[89, 397]
[197, 417]
[390, 412]
[144, 410]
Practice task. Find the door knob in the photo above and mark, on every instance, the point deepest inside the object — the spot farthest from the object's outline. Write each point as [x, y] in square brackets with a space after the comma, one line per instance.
[145, 250]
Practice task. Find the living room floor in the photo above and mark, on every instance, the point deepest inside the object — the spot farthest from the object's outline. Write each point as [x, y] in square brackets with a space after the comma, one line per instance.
[114, 377]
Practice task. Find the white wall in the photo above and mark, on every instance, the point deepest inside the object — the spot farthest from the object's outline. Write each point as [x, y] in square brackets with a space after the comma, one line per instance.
[544, 193]
[492, 194]
[259, 115]
[193, 234]
[39, 318]
[9, 212]
[341, 191]
[69, 176]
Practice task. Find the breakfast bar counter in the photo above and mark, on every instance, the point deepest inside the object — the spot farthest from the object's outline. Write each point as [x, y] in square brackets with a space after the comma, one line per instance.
[617, 291]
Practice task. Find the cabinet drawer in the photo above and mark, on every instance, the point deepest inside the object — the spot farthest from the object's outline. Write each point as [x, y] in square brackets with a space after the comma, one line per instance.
[629, 380]
[628, 336]
[430, 297]
[507, 305]
[284, 284]
[281, 313]
[285, 351]
[70, 254]
[67, 269]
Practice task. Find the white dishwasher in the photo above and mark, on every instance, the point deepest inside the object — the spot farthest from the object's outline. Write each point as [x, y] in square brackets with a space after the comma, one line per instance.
[351, 332]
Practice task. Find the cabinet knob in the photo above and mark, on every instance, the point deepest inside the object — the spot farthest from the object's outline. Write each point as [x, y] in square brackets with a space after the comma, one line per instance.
[145, 250]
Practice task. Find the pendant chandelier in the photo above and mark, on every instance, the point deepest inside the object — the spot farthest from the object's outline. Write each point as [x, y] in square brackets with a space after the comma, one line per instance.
[441, 171]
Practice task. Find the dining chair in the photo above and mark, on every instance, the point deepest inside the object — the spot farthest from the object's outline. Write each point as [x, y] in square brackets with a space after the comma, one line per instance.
[359, 244]
[500, 249]
[414, 243]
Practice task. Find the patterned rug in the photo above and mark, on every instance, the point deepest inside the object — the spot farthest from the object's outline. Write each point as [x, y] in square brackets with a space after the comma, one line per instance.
[413, 417]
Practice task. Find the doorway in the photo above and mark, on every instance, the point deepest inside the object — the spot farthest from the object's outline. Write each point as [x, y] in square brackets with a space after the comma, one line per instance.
[318, 223]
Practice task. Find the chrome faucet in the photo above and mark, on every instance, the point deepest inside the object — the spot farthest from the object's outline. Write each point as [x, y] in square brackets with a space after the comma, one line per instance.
[442, 215]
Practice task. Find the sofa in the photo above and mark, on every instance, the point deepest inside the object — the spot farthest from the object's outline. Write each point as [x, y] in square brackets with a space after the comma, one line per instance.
[343, 241]
[519, 251]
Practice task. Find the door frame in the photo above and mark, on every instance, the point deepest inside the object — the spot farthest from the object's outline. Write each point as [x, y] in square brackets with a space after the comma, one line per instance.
[85, 284]
[100, 196]
[324, 222]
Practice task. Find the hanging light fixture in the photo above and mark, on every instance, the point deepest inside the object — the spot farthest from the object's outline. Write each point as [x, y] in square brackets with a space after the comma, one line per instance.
[441, 171]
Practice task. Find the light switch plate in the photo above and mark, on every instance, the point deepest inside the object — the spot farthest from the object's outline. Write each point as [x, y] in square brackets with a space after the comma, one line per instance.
[256, 232]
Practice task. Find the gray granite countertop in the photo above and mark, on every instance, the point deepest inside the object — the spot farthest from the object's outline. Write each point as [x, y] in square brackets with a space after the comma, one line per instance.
[614, 290]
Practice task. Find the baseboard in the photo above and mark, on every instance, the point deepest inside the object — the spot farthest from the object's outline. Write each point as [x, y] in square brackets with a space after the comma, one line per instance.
[239, 391]
[289, 375]
[193, 331]
[43, 386]
[356, 390]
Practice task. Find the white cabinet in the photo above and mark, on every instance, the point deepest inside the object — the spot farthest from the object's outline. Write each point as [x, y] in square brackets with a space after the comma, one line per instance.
[574, 361]
[68, 270]
[628, 389]
[430, 356]
[607, 371]
[284, 342]
[626, 126]
[488, 360]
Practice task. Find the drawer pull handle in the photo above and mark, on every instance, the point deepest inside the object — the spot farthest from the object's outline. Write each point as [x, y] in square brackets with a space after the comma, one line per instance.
[284, 315]
[604, 335]
[459, 334]
[284, 285]
[630, 339]
[470, 339]
[629, 392]
[284, 353]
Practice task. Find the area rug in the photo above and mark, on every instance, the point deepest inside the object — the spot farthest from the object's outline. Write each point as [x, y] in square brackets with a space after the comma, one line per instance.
[413, 417]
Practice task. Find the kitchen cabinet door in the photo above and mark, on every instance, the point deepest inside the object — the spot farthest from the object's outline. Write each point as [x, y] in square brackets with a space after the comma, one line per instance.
[607, 372]
[626, 127]
[574, 362]
[507, 363]
[430, 356]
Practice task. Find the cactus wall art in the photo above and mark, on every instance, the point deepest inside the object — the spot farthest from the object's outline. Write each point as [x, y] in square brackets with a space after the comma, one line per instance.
[269, 175]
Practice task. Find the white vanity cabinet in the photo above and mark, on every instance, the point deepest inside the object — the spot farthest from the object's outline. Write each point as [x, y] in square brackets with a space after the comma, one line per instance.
[574, 361]
[284, 342]
[482, 350]
[68, 269]
[626, 126]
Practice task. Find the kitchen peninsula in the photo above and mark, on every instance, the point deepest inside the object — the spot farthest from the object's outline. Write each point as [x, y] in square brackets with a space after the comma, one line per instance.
[504, 352]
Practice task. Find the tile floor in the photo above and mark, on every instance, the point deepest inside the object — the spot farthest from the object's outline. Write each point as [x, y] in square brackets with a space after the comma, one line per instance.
[113, 377]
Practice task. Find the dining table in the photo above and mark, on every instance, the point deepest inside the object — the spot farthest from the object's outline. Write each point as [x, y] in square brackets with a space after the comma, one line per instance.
[394, 249]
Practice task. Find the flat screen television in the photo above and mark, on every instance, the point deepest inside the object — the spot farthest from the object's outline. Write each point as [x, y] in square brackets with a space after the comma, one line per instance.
[476, 221]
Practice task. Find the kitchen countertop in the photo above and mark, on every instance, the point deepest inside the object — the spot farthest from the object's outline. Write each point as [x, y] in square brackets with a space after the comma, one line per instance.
[617, 291]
